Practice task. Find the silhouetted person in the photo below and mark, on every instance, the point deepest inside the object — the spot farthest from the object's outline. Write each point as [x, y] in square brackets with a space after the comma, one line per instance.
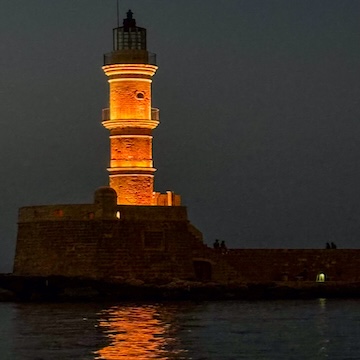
[328, 246]
[222, 245]
[333, 246]
[216, 244]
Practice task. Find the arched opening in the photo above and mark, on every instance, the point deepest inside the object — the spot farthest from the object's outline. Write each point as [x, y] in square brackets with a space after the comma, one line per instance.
[320, 277]
[203, 270]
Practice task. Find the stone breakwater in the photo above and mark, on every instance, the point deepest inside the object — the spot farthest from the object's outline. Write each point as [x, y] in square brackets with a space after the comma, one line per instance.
[62, 289]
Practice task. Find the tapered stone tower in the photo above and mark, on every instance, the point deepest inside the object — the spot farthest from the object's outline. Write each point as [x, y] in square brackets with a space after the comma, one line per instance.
[130, 117]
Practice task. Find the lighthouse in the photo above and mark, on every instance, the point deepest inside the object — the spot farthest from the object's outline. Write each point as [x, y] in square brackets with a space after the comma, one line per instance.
[130, 117]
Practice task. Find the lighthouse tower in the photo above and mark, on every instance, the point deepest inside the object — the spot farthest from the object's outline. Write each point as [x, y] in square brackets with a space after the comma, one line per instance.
[130, 117]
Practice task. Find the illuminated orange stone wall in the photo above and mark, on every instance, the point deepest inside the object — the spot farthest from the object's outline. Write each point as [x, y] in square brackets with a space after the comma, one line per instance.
[130, 124]
[131, 151]
[133, 189]
[126, 101]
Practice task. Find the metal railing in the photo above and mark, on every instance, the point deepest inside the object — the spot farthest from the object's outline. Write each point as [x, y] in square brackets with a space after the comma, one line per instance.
[130, 57]
[155, 112]
[105, 115]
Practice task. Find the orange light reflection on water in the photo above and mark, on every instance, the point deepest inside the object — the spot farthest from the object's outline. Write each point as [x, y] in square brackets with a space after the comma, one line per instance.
[138, 332]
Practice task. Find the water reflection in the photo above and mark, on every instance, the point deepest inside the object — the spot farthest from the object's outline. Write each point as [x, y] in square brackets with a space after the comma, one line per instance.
[145, 332]
[321, 329]
[321, 322]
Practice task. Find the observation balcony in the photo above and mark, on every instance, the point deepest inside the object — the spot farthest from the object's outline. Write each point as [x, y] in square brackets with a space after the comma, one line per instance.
[129, 57]
[154, 114]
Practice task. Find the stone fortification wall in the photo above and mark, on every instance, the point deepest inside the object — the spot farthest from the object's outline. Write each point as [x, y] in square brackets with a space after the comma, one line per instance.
[56, 213]
[142, 242]
[104, 240]
[152, 213]
[295, 264]
[65, 212]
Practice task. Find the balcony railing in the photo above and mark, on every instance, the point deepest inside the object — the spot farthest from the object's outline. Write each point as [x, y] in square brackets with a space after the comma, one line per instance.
[105, 116]
[154, 114]
[130, 57]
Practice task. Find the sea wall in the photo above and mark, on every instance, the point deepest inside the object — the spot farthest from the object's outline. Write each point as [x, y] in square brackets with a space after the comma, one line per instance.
[156, 244]
[146, 243]
[295, 264]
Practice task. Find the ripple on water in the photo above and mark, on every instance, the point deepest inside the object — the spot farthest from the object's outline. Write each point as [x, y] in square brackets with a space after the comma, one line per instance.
[321, 329]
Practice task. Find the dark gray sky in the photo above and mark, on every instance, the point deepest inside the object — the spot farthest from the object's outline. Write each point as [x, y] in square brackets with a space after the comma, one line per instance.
[259, 105]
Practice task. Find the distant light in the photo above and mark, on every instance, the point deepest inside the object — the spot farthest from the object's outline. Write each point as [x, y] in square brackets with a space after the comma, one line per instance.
[320, 277]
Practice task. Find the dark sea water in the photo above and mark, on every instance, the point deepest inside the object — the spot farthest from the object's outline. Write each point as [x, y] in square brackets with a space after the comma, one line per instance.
[312, 329]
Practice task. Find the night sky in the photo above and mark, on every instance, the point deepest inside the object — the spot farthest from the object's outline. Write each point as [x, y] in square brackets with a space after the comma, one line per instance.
[259, 110]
